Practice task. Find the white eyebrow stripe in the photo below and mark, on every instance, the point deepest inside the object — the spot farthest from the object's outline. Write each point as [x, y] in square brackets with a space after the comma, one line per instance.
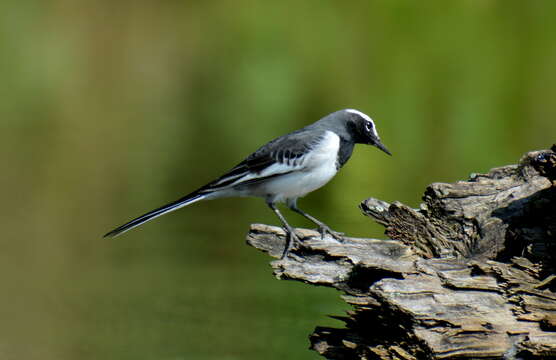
[364, 116]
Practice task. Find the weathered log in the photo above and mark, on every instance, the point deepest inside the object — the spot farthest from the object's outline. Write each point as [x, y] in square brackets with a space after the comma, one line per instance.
[470, 274]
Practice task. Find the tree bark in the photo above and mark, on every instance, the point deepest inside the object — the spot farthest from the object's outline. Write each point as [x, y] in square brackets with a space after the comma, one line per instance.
[470, 274]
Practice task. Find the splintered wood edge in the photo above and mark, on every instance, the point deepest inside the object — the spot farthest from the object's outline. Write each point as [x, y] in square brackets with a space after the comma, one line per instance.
[502, 308]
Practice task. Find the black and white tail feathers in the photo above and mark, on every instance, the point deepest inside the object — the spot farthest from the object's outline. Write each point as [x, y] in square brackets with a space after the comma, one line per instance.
[279, 157]
[175, 205]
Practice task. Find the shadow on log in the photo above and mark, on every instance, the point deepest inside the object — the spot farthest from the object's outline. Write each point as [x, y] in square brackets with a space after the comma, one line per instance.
[470, 274]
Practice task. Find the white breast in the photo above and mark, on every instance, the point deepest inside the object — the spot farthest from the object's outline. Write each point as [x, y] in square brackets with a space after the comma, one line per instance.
[317, 168]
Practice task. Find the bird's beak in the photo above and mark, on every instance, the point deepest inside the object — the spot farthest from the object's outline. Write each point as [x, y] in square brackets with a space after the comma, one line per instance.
[381, 146]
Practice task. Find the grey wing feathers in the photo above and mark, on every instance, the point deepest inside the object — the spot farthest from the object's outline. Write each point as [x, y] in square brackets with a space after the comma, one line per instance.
[287, 150]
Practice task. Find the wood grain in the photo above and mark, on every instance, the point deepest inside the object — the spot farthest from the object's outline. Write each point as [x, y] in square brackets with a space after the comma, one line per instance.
[470, 274]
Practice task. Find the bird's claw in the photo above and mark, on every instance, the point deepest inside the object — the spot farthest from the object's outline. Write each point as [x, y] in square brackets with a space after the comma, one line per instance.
[324, 229]
[292, 242]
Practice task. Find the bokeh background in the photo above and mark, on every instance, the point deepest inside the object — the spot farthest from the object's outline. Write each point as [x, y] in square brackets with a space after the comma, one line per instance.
[112, 108]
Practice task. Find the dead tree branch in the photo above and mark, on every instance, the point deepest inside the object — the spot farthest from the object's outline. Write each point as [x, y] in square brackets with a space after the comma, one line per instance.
[470, 274]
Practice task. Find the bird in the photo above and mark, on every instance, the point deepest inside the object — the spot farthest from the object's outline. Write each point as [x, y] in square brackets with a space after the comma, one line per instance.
[284, 170]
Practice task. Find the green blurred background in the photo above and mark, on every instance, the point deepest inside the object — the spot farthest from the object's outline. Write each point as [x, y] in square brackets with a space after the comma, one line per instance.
[112, 108]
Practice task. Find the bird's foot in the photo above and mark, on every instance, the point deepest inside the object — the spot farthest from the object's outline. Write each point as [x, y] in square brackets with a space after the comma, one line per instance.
[292, 242]
[325, 229]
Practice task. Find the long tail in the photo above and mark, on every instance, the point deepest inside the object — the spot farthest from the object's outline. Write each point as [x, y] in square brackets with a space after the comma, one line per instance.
[184, 201]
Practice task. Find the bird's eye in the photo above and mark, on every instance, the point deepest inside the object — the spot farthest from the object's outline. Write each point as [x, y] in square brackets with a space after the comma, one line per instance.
[368, 126]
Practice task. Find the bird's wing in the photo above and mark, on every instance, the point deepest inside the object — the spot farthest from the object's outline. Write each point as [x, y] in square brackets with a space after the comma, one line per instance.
[278, 157]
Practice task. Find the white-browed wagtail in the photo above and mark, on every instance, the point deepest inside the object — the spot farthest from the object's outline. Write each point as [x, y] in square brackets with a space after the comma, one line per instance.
[285, 169]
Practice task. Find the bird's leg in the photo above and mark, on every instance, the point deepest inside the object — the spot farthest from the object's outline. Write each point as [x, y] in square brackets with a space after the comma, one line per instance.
[291, 238]
[322, 227]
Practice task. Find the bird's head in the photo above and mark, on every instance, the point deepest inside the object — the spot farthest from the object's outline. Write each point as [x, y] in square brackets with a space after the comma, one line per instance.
[362, 129]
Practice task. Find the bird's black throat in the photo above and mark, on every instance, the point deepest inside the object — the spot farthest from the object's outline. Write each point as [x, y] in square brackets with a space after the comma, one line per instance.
[344, 153]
